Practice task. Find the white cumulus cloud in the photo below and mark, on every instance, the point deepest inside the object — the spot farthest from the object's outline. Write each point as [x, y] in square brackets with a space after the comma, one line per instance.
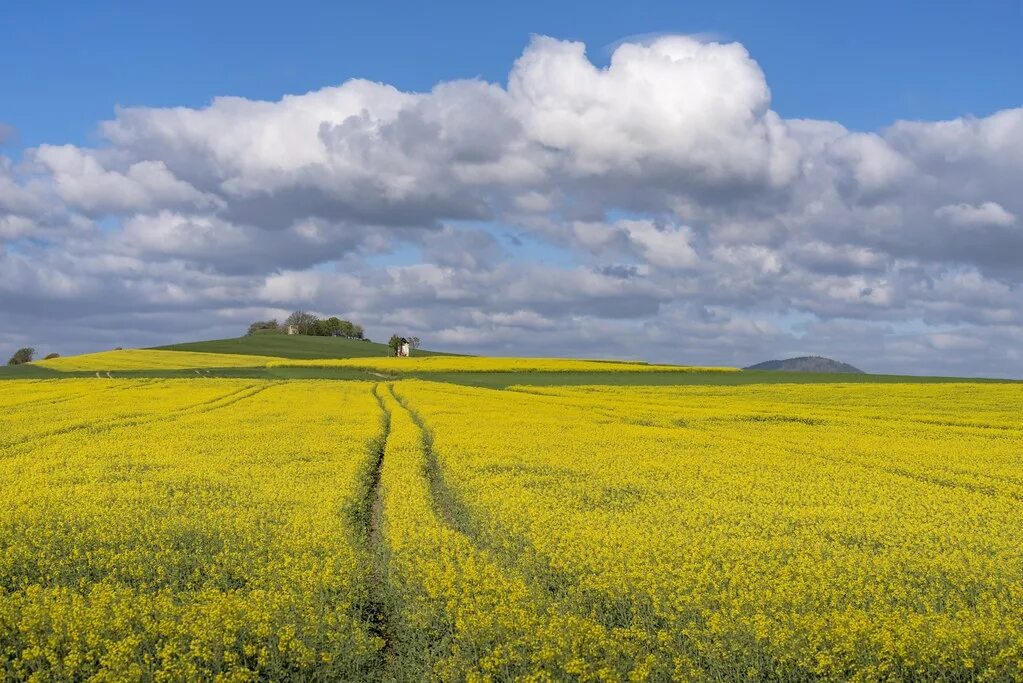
[966, 215]
[658, 204]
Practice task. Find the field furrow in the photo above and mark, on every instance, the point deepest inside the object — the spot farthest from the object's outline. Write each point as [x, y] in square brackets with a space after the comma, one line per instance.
[100, 408]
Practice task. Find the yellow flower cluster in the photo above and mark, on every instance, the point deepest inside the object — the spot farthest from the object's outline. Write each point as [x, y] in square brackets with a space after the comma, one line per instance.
[484, 364]
[184, 530]
[151, 359]
[770, 532]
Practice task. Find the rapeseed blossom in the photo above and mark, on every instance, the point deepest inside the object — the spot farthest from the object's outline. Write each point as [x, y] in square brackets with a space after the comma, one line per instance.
[222, 529]
[153, 359]
[428, 364]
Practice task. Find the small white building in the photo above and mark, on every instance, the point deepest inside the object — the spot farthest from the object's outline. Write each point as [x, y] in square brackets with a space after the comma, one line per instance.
[405, 348]
[291, 329]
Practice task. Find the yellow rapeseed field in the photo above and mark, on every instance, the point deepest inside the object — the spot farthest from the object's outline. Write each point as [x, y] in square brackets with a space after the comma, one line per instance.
[771, 532]
[184, 530]
[219, 529]
[484, 364]
[152, 359]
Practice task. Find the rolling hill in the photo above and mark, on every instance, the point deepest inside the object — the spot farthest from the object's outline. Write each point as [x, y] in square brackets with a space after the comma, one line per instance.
[807, 364]
[312, 357]
[292, 346]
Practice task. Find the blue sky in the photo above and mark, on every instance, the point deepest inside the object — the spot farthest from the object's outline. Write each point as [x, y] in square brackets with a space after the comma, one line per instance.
[865, 64]
[707, 183]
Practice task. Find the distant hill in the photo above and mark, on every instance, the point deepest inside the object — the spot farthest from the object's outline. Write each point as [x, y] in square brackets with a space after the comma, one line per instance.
[293, 346]
[807, 364]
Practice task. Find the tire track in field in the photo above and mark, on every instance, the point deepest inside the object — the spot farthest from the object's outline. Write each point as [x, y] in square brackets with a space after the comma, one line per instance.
[551, 587]
[96, 389]
[537, 593]
[51, 400]
[368, 518]
[943, 475]
[136, 419]
[861, 461]
[59, 397]
[553, 590]
[446, 504]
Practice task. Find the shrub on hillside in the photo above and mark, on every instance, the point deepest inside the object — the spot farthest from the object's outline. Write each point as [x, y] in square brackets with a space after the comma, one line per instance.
[23, 355]
[264, 327]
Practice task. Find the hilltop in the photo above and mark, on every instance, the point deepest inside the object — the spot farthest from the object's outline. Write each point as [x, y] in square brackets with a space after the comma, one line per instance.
[292, 346]
[807, 364]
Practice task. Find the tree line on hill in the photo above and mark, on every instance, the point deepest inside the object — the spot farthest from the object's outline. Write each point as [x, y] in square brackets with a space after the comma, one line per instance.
[26, 355]
[302, 322]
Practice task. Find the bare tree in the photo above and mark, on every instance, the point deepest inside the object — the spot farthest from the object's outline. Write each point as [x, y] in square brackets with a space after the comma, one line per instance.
[303, 322]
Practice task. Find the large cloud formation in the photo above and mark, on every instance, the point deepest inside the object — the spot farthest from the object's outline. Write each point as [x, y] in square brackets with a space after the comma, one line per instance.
[657, 208]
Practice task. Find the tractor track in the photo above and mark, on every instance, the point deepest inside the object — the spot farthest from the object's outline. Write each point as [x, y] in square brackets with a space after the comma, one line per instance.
[136, 419]
[368, 516]
[516, 556]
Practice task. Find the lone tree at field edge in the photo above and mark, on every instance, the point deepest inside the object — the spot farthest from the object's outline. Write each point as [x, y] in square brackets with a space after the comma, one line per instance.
[22, 356]
[394, 342]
